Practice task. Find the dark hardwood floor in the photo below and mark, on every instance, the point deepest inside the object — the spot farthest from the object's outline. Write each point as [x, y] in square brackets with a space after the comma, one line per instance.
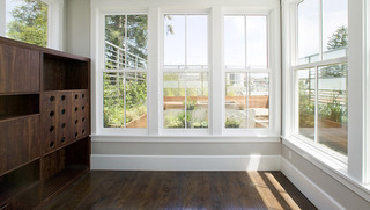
[182, 190]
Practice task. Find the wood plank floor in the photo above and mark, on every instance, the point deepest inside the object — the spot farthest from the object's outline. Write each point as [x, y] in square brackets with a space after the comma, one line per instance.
[182, 190]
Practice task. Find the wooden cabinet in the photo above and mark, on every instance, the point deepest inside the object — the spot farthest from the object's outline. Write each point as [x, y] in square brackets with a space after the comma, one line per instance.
[20, 141]
[19, 69]
[44, 123]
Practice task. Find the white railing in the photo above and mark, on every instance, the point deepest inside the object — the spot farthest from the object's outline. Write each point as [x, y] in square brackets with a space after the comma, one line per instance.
[118, 58]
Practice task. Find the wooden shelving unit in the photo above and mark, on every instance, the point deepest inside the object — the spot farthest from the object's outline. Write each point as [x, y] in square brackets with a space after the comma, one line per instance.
[44, 123]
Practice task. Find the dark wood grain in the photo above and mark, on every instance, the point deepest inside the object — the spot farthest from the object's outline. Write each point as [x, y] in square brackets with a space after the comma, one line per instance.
[39, 152]
[18, 105]
[182, 190]
[4, 68]
[22, 70]
[62, 73]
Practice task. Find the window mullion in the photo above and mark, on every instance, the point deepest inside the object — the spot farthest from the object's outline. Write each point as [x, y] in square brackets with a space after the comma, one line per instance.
[217, 73]
[321, 47]
[316, 117]
[124, 97]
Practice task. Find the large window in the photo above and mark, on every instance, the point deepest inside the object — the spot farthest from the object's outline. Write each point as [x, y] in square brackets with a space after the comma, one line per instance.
[321, 72]
[246, 72]
[26, 21]
[125, 72]
[185, 71]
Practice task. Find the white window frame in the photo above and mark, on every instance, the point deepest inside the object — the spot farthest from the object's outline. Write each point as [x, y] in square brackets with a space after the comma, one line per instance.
[248, 70]
[292, 127]
[55, 23]
[156, 11]
[102, 70]
[185, 70]
[273, 65]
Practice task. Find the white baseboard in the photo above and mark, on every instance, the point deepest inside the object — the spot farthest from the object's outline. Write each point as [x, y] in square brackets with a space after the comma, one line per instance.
[314, 193]
[186, 162]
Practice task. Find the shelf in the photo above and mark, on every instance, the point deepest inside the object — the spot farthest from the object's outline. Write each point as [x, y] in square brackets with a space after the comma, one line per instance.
[13, 106]
[15, 117]
[62, 73]
[19, 182]
[62, 180]
[66, 91]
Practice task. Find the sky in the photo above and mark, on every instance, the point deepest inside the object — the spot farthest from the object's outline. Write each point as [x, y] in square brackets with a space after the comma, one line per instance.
[196, 43]
[335, 14]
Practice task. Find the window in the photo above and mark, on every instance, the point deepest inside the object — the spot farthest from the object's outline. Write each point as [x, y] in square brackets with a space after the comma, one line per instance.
[125, 72]
[26, 21]
[185, 71]
[246, 72]
[321, 72]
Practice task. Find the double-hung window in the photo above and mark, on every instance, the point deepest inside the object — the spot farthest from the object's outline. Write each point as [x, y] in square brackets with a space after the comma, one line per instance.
[125, 71]
[185, 71]
[320, 70]
[246, 72]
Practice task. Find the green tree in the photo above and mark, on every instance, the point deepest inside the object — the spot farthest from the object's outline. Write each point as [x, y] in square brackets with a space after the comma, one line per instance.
[30, 22]
[339, 39]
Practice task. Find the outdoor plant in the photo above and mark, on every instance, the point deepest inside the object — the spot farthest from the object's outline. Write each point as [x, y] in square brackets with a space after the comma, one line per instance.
[204, 124]
[232, 123]
[196, 124]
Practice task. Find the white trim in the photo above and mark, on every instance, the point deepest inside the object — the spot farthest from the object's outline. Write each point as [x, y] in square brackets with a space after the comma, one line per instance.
[184, 139]
[214, 9]
[55, 23]
[314, 193]
[3, 18]
[328, 164]
[186, 162]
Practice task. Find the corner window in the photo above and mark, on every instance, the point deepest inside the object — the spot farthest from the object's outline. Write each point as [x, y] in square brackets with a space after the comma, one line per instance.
[321, 72]
[246, 72]
[125, 72]
[185, 71]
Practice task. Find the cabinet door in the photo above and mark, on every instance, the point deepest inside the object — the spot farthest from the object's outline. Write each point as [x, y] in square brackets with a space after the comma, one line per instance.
[20, 70]
[4, 72]
[3, 147]
[34, 137]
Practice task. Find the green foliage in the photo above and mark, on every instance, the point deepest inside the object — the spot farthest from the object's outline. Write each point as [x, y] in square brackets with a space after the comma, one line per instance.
[136, 92]
[339, 39]
[232, 122]
[30, 22]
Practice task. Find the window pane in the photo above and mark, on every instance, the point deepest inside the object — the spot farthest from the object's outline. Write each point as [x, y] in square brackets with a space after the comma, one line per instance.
[137, 41]
[335, 28]
[115, 41]
[136, 94]
[174, 40]
[114, 100]
[308, 31]
[332, 107]
[174, 100]
[306, 102]
[27, 21]
[197, 40]
[234, 41]
[256, 41]
[235, 100]
[197, 100]
[258, 100]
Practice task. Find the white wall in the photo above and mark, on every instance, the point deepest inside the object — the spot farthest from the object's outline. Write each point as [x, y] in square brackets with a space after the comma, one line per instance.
[324, 188]
[78, 27]
[147, 155]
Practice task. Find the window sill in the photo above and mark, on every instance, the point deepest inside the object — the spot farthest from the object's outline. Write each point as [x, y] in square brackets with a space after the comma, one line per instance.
[172, 138]
[328, 162]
